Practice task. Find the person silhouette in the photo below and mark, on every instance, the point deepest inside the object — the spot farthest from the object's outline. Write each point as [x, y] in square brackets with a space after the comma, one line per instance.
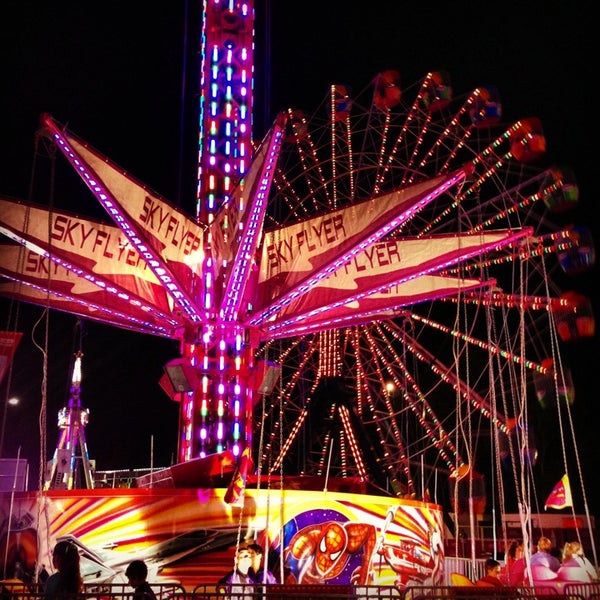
[137, 574]
[66, 582]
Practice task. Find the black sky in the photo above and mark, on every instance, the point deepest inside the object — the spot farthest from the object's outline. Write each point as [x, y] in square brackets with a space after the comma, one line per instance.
[113, 71]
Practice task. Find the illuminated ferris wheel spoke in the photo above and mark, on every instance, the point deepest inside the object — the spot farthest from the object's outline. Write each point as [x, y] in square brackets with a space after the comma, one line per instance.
[401, 142]
[385, 379]
[508, 203]
[455, 135]
[417, 400]
[342, 172]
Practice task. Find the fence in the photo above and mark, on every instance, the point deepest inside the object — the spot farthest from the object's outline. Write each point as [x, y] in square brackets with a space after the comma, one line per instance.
[574, 591]
[11, 590]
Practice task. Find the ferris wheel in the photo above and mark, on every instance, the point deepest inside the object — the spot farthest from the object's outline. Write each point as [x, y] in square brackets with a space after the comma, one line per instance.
[469, 336]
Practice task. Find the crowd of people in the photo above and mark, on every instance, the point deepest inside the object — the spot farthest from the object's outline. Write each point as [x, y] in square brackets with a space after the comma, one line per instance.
[66, 580]
[547, 563]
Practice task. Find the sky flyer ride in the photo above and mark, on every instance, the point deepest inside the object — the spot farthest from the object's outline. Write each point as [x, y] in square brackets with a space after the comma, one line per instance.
[355, 295]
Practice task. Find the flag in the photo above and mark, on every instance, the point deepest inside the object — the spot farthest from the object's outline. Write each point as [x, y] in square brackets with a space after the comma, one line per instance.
[235, 490]
[560, 496]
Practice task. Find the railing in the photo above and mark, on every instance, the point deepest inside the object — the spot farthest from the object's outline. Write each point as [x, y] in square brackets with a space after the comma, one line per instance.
[342, 592]
[570, 591]
[167, 591]
[276, 591]
[473, 569]
[590, 591]
[485, 592]
[12, 590]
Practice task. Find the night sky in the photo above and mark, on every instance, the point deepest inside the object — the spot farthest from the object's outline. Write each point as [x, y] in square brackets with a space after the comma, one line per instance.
[113, 72]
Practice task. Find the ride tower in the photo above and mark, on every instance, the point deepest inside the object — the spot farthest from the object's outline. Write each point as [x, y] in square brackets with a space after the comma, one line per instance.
[218, 351]
[70, 465]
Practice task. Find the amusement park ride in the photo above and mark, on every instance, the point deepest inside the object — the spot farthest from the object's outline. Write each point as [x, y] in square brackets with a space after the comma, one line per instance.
[71, 466]
[352, 295]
